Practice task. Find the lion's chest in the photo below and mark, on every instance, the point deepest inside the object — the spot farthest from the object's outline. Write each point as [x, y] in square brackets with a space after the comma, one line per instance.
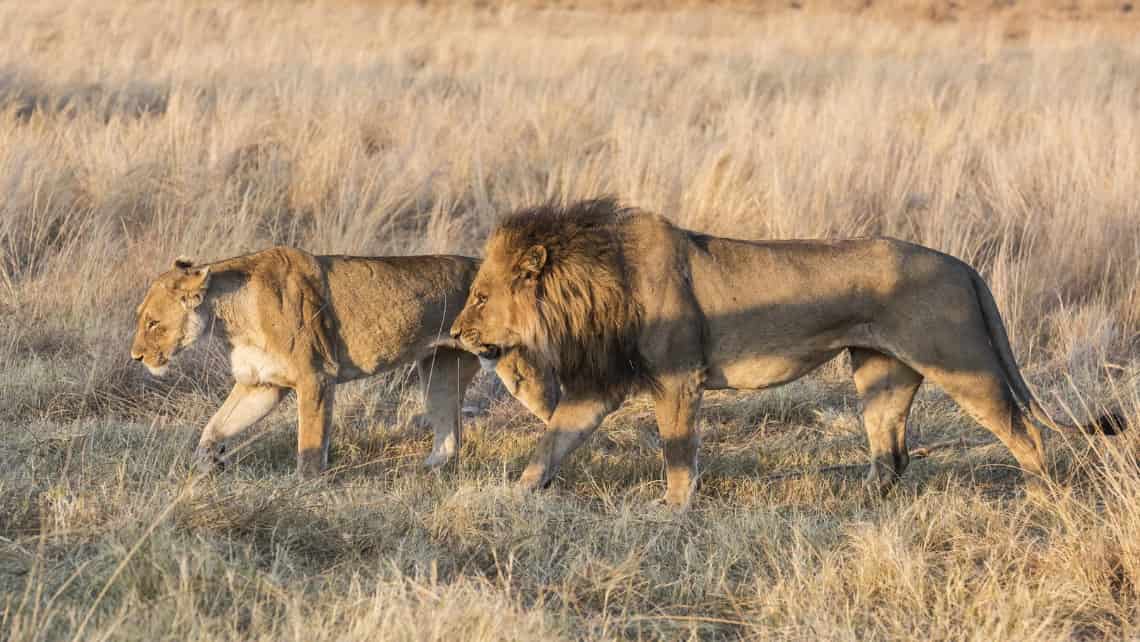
[253, 366]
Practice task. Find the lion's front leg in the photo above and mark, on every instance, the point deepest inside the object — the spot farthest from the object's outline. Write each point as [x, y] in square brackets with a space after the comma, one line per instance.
[314, 426]
[573, 421]
[677, 404]
[244, 407]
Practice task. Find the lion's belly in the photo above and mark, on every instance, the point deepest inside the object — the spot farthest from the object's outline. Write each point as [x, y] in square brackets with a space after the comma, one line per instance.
[762, 356]
[758, 372]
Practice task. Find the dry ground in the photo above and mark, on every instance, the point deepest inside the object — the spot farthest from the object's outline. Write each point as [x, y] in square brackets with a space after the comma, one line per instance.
[134, 132]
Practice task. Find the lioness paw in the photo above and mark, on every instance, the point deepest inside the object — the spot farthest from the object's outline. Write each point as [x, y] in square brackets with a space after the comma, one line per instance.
[209, 458]
[310, 464]
[880, 480]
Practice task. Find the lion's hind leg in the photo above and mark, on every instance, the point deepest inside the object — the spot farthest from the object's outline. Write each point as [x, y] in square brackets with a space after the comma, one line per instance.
[985, 396]
[886, 388]
[972, 375]
[444, 377]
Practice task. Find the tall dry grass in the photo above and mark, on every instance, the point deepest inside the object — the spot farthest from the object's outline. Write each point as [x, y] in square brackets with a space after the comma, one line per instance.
[135, 132]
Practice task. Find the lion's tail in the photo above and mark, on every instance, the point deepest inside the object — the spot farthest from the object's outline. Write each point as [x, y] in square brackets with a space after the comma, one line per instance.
[1109, 424]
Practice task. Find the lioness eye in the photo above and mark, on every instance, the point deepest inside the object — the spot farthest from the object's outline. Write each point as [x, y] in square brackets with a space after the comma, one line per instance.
[480, 299]
[152, 324]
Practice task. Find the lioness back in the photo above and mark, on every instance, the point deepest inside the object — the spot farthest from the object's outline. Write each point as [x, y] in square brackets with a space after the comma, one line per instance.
[387, 307]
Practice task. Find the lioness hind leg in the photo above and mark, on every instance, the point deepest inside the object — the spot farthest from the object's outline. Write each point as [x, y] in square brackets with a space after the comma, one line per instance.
[886, 387]
[677, 404]
[443, 379]
[314, 426]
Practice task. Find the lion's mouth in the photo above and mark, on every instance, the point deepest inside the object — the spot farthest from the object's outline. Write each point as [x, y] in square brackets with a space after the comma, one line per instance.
[489, 352]
[489, 356]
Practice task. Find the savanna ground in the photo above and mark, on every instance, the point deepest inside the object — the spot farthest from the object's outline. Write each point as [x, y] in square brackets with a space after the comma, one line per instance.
[135, 132]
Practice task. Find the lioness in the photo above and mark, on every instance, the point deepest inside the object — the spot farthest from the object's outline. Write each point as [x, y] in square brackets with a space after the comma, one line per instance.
[294, 321]
[618, 300]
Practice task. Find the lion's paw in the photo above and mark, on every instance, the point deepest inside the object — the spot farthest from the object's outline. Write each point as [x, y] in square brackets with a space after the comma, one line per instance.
[661, 509]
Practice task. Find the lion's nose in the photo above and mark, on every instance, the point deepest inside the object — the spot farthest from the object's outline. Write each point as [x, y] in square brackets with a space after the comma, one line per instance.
[456, 332]
[137, 356]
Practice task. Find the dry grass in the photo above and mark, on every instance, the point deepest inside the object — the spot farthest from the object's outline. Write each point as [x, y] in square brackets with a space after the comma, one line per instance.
[134, 132]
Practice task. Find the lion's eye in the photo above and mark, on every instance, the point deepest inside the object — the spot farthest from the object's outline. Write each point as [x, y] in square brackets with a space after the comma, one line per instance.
[152, 324]
[480, 299]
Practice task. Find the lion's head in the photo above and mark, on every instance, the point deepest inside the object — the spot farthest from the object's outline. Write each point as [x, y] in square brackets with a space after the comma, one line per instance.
[554, 281]
[170, 317]
[500, 311]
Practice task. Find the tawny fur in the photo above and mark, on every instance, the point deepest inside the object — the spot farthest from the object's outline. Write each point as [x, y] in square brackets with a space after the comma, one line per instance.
[294, 321]
[616, 300]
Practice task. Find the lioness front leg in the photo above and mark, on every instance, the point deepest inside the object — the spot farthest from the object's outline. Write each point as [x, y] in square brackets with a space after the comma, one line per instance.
[573, 421]
[244, 407]
[314, 426]
[534, 386]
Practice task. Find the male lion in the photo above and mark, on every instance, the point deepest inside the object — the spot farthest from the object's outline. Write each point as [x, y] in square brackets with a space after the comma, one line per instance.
[294, 321]
[618, 300]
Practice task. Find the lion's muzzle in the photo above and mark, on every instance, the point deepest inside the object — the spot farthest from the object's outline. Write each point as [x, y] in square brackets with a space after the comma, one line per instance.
[467, 337]
[470, 340]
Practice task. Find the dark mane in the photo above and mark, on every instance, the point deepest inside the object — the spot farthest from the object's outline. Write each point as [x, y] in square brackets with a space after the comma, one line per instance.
[588, 323]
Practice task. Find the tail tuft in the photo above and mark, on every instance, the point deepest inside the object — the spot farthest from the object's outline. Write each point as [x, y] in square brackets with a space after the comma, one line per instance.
[1112, 423]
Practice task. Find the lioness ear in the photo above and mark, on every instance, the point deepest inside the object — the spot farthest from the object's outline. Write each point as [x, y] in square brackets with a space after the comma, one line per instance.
[532, 261]
[182, 263]
[192, 288]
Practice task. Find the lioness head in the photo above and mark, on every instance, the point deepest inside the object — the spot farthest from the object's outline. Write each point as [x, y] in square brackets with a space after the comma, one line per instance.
[500, 313]
[170, 318]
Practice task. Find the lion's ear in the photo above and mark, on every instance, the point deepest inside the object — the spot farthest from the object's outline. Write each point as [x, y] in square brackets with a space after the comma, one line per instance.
[182, 263]
[532, 261]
